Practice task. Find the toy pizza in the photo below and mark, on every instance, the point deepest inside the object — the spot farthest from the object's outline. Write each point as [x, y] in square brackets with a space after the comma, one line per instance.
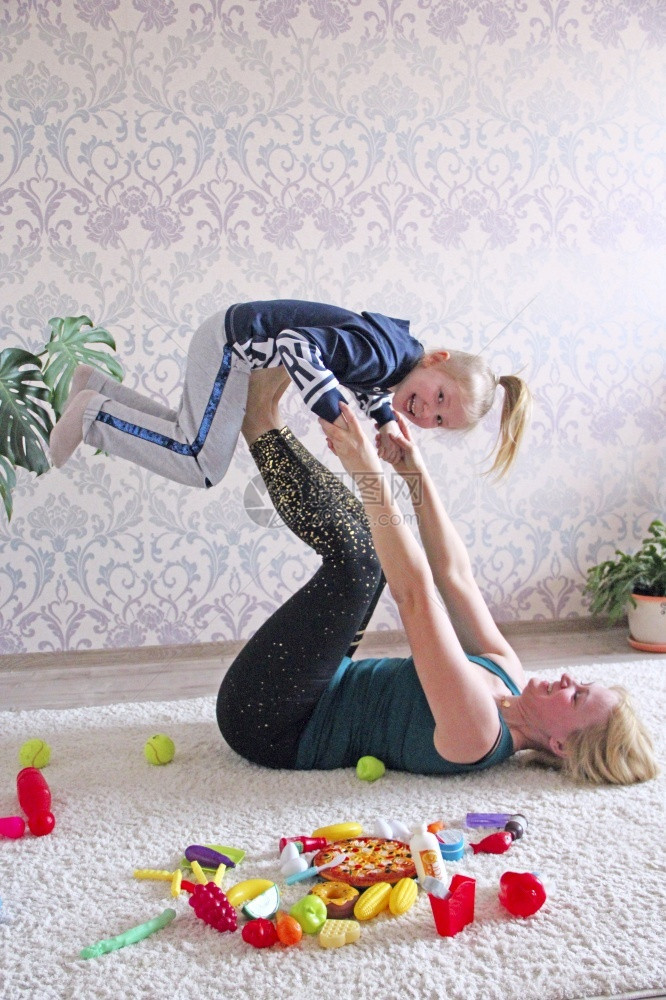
[369, 860]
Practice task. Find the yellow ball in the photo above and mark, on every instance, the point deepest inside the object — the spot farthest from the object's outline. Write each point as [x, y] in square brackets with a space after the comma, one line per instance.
[35, 753]
[159, 749]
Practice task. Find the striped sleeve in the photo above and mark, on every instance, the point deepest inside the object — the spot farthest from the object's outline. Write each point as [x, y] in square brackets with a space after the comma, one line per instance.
[317, 385]
[377, 406]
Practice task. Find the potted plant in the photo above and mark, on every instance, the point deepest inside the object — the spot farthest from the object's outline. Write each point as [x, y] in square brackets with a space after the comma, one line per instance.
[635, 584]
[33, 391]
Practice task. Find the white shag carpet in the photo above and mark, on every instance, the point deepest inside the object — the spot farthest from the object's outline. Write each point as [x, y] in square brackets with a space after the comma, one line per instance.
[601, 931]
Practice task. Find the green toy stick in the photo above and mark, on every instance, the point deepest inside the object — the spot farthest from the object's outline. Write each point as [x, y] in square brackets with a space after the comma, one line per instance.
[131, 936]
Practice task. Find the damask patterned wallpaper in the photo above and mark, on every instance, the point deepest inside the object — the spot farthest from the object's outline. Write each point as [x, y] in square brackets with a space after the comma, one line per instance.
[446, 161]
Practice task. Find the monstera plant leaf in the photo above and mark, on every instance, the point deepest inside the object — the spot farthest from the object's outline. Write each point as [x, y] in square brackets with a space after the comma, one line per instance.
[25, 422]
[68, 347]
[7, 484]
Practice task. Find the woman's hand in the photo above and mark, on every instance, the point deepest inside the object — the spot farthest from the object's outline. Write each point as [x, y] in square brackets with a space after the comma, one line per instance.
[409, 459]
[346, 439]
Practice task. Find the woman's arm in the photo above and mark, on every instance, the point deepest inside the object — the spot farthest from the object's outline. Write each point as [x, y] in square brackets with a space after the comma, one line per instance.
[448, 559]
[461, 703]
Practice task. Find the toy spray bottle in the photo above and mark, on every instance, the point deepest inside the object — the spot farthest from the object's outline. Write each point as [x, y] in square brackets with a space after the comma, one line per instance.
[424, 848]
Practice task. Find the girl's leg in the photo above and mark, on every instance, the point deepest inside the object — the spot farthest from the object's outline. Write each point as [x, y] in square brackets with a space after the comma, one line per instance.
[192, 445]
[273, 686]
[86, 377]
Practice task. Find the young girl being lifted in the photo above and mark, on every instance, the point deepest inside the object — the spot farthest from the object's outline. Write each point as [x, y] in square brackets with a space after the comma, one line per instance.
[323, 349]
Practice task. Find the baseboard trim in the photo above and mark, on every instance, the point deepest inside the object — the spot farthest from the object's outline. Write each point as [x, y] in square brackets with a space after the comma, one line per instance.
[226, 651]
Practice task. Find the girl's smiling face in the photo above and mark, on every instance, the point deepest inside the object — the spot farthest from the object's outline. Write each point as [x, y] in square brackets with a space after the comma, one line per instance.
[429, 397]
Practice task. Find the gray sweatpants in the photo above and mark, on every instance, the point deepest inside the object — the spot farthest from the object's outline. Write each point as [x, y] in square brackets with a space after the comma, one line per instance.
[193, 444]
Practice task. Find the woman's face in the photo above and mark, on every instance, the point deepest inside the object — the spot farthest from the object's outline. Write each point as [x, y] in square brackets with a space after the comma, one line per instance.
[563, 706]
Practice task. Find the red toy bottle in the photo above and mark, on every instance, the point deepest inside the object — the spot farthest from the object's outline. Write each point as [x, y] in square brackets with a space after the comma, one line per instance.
[34, 798]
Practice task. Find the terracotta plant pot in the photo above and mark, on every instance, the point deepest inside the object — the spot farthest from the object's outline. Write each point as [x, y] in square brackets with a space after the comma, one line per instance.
[647, 624]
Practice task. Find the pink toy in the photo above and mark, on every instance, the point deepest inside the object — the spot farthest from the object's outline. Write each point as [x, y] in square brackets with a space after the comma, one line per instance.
[34, 798]
[12, 827]
[521, 893]
[495, 843]
[212, 906]
[456, 909]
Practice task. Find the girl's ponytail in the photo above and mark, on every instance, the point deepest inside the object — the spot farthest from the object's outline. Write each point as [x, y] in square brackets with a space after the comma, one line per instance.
[514, 419]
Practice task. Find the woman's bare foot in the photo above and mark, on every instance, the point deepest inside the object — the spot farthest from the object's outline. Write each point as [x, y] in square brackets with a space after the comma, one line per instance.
[262, 412]
[67, 434]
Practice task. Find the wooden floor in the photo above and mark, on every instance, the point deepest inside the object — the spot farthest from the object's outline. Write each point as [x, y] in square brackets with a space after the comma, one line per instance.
[70, 680]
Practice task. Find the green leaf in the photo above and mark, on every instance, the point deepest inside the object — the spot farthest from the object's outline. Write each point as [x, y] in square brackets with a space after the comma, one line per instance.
[25, 421]
[7, 484]
[610, 584]
[69, 346]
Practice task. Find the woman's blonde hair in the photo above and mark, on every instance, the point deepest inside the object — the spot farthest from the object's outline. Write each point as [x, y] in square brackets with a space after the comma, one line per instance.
[478, 384]
[617, 751]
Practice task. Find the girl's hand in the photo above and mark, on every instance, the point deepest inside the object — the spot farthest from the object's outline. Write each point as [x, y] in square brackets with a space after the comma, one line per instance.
[409, 458]
[346, 439]
[387, 442]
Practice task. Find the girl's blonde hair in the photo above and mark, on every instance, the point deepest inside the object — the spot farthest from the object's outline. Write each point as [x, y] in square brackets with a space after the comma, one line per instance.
[478, 385]
[618, 751]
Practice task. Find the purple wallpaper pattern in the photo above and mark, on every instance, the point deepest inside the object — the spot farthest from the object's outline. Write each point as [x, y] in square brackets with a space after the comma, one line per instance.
[442, 160]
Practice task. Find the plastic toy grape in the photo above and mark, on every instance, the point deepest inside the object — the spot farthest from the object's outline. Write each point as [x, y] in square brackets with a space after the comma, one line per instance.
[212, 906]
[34, 798]
[260, 933]
[495, 843]
[521, 893]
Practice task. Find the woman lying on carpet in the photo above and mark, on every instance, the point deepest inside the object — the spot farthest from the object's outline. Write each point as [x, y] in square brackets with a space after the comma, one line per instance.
[294, 698]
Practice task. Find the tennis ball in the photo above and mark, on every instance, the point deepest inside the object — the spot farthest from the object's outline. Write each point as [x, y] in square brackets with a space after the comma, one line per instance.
[35, 753]
[159, 749]
[369, 768]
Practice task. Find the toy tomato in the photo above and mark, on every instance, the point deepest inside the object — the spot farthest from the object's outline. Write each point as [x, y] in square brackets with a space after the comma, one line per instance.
[260, 933]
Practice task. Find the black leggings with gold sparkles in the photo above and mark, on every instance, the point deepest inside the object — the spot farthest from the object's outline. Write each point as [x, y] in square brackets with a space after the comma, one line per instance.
[274, 684]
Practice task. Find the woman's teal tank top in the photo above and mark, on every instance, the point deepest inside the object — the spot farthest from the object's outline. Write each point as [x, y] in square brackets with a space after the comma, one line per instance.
[377, 707]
